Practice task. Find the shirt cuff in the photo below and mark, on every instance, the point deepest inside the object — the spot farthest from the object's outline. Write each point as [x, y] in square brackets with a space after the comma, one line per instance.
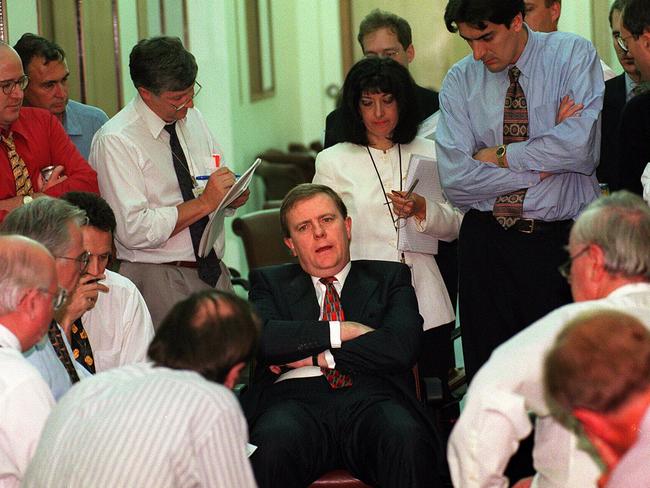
[335, 334]
[329, 358]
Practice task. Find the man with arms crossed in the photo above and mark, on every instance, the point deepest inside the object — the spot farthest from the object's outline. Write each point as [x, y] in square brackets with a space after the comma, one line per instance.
[520, 176]
[28, 295]
[609, 267]
[334, 384]
[149, 158]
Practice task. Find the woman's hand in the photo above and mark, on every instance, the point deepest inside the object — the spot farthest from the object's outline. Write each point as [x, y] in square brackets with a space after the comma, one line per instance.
[414, 205]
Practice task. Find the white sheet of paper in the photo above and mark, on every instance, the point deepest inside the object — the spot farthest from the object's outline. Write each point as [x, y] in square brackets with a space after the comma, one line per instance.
[426, 170]
[215, 225]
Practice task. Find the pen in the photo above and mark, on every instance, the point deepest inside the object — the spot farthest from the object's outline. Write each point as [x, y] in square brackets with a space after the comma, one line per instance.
[410, 190]
[207, 177]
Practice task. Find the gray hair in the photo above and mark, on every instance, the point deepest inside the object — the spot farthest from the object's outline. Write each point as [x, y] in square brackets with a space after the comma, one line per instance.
[17, 270]
[620, 225]
[45, 220]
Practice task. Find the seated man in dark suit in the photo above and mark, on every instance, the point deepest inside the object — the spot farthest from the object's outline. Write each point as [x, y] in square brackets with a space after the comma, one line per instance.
[308, 418]
[386, 35]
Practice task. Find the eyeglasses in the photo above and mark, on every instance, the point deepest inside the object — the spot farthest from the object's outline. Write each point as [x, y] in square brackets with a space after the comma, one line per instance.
[58, 297]
[82, 260]
[565, 268]
[388, 53]
[622, 42]
[197, 90]
[9, 85]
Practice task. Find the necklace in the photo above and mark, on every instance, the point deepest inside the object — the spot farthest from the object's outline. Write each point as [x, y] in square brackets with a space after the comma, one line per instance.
[381, 183]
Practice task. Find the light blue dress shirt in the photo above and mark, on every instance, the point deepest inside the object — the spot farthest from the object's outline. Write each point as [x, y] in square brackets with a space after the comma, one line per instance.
[43, 357]
[471, 102]
[81, 122]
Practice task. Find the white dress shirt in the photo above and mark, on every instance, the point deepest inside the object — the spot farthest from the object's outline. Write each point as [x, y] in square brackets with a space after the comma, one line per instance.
[348, 170]
[136, 176]
[119, 327]
[143, 426]
[645, 181]
[25, 403]
[509, 387]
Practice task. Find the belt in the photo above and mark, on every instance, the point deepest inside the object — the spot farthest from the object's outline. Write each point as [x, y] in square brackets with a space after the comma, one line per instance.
[529, 226]
[183, 264]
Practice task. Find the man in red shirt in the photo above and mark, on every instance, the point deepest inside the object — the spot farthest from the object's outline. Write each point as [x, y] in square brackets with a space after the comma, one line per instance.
[30, 140]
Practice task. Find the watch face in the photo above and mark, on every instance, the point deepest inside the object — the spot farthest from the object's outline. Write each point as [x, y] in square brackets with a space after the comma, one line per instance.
[501, 151]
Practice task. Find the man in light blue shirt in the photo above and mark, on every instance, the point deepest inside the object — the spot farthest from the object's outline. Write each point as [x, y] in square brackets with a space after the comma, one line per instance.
[508, 277]
[44, 63]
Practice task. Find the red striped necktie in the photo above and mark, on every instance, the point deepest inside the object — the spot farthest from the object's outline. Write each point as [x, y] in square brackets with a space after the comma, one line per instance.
[332, 310]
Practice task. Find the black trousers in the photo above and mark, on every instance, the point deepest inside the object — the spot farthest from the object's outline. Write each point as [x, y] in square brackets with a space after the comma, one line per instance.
[508, 279]
[306, 429]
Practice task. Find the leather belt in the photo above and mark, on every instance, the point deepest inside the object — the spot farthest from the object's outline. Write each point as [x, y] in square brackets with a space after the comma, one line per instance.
[183, 264]
[532, 226]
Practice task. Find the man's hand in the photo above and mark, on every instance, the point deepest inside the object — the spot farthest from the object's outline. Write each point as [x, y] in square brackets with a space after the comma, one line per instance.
[407, 207]
[82, 299]
[56, 177]
[218, 185]
[568, 108]
[239, 201]
[296, 364]
[352, 330]
[487, 155]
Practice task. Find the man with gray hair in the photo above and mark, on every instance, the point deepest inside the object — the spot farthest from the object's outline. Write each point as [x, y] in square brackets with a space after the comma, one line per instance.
[56, 224]
[608, 268]
[28, 297]
[156, 168]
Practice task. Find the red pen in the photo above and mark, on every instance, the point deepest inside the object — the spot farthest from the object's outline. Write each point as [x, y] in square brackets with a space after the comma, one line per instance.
[217, 160]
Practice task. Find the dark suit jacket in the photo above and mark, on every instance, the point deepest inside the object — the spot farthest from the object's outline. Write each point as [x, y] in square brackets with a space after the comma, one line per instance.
[613, 103]
[334, 124]
[634, 137]
[376, 293]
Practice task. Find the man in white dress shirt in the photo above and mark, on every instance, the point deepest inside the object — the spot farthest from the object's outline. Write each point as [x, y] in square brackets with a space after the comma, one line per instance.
[57, 225]
[155, 162]
[27, 294]
[109, 306]
[166, 424]
[609, 268]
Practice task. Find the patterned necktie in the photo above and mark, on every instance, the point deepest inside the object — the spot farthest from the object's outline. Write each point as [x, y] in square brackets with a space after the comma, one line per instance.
[61, 351]
[81, 349]
[18, 167]
[209, 269]
[509, 208]
[332, 310]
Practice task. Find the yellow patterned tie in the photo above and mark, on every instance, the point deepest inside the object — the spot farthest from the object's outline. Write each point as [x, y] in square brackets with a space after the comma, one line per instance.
[21, 175]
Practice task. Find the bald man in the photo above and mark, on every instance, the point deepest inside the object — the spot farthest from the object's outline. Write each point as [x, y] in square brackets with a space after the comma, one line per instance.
[32, 139]
[28, 296]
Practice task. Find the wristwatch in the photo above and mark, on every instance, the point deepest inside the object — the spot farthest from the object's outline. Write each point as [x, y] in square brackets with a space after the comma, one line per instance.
[27, 199]
[501, 155]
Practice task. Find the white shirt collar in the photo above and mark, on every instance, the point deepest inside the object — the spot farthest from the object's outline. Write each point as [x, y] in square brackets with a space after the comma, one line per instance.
[8, 339]
[340, 277]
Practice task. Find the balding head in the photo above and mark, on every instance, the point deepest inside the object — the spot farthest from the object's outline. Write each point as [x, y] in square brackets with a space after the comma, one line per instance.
[210, 332]
[28, 277]
[11, 79]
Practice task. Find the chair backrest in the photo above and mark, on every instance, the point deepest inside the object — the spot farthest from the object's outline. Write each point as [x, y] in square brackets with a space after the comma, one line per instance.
[262, 237]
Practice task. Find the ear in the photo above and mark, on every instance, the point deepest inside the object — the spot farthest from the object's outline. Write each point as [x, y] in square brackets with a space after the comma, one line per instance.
[27, 302]
[233, 374]
[289, 243]
[597, 257]
[517, 22]
[348, 227]
[410, 53]
[556, 10]
[144, 94]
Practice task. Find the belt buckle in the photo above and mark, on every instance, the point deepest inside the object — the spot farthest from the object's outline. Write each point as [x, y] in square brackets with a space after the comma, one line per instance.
[526, 230]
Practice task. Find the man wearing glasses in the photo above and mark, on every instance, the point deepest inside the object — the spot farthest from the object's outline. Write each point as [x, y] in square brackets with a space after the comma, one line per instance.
[156, 167]
[57, 225]
[634, 129]
[28, 278]
[106, 305]
[30, 140]
[608, 268]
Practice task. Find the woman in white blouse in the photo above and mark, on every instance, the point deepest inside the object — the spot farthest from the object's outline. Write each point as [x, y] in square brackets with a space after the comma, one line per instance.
[369, 171]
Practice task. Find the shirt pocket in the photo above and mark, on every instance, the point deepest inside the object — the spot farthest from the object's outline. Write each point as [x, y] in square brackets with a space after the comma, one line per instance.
[542, 118]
